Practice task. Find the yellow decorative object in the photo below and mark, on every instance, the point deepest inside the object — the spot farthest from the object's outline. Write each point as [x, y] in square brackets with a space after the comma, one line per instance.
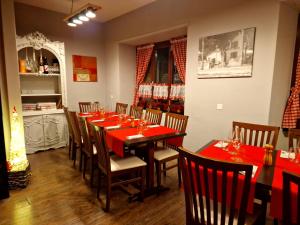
[268, 157]
[17, 154]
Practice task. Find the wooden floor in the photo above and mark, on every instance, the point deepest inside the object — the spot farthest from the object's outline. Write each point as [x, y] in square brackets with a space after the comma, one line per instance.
[57, 194]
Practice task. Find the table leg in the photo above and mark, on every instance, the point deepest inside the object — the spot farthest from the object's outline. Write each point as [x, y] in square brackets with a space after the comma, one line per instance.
[150, 166]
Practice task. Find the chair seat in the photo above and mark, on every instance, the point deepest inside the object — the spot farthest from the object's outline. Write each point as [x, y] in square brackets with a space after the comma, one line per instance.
[164, 153]
[130, 162]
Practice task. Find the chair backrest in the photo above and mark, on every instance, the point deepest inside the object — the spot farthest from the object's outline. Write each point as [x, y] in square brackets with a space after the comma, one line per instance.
[257, 134]
[294, 138]
[176, 121]
[288, 179]
[121, 108]
[66, 111]
[102, 151]
[201, 186]
[87, 144]
[75, 126]
[85, 107]
[136, 112]
[153, 116]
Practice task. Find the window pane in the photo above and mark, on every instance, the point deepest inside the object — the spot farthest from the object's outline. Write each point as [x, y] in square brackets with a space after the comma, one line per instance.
[175, 75]
[148, 78]
[162, 60]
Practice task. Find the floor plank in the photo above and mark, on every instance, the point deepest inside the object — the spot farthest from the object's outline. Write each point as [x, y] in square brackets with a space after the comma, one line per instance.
[57, 194]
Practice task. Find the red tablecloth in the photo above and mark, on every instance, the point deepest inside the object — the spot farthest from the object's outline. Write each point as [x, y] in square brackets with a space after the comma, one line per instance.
[115, 138]
[277, 186]
[249, 154]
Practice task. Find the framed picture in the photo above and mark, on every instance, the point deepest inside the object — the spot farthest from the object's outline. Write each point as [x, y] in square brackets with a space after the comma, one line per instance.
[226, 55]
[84, 68]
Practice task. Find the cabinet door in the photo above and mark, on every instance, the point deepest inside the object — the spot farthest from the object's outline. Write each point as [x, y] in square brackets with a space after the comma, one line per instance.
[34, 133]
[55, 130]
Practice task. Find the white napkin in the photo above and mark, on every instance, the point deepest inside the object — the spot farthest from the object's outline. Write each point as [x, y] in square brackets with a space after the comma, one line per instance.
[286, 155]
[221, 144]
[112, 127]
[114, 115]
[152, 126]
[100, 120]
[253, 171]
[136, 119]
[135, 136]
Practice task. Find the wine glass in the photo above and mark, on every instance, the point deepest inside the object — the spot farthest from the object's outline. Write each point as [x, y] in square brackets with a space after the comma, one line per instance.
[236, 143]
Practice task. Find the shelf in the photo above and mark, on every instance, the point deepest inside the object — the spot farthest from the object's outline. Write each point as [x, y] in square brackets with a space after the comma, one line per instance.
[39, 75]
[38, 95]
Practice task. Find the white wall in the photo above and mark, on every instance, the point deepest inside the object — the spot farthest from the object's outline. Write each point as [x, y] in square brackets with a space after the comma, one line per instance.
[83, 40]
[285, 44]
[244, 99]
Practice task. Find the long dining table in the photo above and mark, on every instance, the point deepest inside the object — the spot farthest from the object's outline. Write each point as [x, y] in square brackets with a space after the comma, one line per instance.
[266, 184]
[124, 136]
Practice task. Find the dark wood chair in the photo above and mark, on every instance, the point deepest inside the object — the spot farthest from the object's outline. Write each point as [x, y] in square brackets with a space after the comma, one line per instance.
[153, 116]
[121, 108]
[202, 204]
[294, 138]
[71, 135]
[85, 107]
[257, 134]
[136, 112]
[169, 152]
[89, 151]
[289, 178]
[77, 140]
[128, 170]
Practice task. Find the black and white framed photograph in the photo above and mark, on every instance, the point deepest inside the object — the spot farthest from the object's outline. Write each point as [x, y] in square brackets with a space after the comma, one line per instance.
[227, 55]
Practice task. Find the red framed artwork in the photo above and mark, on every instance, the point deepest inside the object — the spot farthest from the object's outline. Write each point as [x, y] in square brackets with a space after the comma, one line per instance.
[84, 68]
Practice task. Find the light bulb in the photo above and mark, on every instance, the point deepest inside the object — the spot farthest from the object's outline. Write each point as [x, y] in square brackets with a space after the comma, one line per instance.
[90, 14]
[71, 24]
[77, 21]
[82, 17]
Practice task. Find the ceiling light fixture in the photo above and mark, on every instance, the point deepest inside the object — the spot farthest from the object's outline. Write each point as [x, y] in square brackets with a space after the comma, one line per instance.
[83, 14]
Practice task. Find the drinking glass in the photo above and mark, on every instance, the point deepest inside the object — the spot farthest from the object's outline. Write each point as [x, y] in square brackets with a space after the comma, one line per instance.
[236, 143]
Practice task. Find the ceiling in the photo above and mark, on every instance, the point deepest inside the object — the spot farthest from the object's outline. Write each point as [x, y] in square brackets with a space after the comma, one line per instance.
[110, 8]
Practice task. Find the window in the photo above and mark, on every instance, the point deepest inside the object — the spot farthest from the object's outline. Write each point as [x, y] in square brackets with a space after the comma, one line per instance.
[162, 70]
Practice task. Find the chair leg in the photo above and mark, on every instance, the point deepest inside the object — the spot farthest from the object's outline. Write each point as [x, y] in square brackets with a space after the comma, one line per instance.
[143, 175]
[158, 175]
[74, 154]
[164, 168]
[70, 146]
[99, 183]
[84, 165]
[92, 171]
[80, 160]
[108, 194]
[179, 173]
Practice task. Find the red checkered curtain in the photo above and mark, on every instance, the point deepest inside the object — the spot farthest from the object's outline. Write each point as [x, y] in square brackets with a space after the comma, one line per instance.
[292, 110]
[178, 47]
[143, 56]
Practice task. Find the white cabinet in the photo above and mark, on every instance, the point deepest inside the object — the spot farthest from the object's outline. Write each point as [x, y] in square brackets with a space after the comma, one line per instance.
[44, 132]
[42, 94]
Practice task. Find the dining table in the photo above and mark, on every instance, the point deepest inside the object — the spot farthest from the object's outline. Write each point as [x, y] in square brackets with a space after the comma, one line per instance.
[124, 134]
[266, 183]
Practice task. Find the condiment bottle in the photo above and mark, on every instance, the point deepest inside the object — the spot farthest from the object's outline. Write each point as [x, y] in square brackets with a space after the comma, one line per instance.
[268, 157]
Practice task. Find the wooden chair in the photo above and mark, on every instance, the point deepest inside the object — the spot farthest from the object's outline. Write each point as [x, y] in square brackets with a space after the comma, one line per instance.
[121, 108]
[294, 138]
[114, 167]
[256, 134]
[136, 112]
[85, 107]
[202, 204]
[89, 151]
[71, 135]
[77, 141]
[153, 116]
[289, 178]
[169, 152]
